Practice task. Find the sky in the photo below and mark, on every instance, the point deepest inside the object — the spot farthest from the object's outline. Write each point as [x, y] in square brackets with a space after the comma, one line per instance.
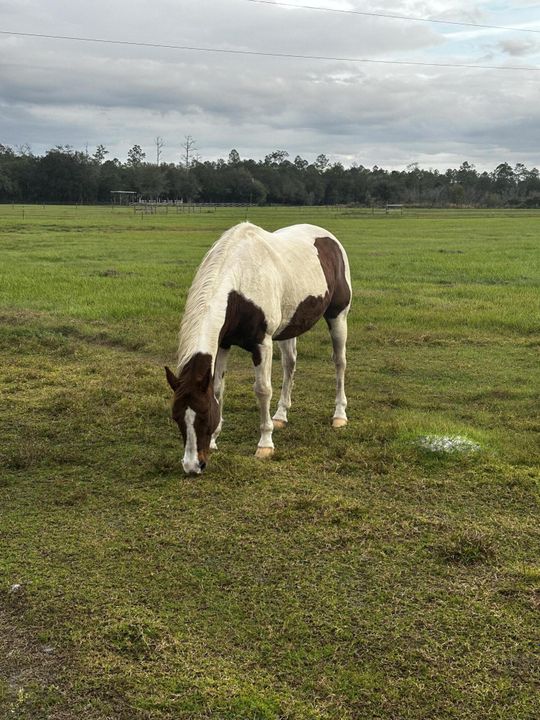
[58, 92]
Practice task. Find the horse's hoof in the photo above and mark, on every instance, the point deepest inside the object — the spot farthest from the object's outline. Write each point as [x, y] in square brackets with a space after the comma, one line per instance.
[279, 424]
[263, 453]
[339, 422]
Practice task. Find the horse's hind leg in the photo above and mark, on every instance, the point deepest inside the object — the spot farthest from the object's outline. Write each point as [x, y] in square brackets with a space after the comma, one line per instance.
[263, 390]
[219, 388]
[338, 333]
[288, 361]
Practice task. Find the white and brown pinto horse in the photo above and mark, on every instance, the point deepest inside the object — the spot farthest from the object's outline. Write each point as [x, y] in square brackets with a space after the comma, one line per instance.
[254, 287]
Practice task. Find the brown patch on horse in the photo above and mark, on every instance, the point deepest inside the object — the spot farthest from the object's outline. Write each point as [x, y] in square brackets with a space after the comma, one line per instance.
[305, 316]
[334, 301]
[194, 389]
[245, 325]
[194, 379]
[333, 265]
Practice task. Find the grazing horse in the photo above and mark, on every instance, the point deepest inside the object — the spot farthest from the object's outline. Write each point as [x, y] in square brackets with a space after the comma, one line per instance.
[251, 288]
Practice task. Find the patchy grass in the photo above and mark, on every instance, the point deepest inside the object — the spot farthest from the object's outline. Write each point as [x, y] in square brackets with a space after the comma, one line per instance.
[353, 576]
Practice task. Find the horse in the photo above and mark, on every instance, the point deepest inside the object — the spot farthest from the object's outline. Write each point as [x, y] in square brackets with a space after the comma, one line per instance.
[254, 287]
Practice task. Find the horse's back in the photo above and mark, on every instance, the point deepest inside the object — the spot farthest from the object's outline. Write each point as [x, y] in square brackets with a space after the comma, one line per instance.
[303, 232]
[313, 235]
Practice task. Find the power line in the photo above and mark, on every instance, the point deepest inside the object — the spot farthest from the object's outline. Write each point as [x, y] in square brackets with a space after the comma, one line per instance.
[440, 21]
[257, 53]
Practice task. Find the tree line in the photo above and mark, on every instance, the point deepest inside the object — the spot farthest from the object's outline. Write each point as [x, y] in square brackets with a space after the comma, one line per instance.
[65, 175]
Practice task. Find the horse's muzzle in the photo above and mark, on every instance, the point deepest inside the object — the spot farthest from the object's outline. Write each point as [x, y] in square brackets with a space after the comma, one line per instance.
[195, 468]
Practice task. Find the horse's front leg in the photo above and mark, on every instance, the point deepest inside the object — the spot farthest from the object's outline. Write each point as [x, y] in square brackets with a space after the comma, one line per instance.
[263, 390]
[288, 361]
[219, 388]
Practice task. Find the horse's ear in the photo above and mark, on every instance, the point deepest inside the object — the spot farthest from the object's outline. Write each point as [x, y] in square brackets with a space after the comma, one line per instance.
[171, 378]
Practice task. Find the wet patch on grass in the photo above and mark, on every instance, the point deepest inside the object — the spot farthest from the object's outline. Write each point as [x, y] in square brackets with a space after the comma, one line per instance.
[447, 444]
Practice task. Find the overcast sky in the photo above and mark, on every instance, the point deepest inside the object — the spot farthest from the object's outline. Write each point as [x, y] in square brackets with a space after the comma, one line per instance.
[56, 92]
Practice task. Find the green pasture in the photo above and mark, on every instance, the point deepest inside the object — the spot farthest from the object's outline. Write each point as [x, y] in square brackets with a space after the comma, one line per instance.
[354, 576]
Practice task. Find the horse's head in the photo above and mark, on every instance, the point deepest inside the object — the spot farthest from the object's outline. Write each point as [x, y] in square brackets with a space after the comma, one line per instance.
[195, 410]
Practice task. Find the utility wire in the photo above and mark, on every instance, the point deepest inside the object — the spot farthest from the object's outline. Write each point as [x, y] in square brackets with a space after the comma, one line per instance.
[268, 54]
[440, 21]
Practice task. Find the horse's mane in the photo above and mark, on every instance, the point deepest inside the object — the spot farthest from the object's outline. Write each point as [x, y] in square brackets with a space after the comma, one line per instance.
[211, 270]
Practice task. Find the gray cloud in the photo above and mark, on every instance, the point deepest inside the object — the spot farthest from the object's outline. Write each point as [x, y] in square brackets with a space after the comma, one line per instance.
[69, 92]
[519, 47]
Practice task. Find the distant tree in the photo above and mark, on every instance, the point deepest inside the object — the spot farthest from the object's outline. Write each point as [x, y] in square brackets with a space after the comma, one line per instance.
[24, 150]
[66, 175]
[277, 157]
[466, 168]
[135, 156]
[315, 186]
[234, 157]
[467, 178]
[240, 186]
[504, 176]
[7, 185]
[100, 154]
[520, 172]
[189, 152]
[111, 177]
[21, 170]
[188, 182]
[456, 194]
[383, 191]
[359, 180]
[159, 143]
[152, 182]
[484, 186]
[321, 163]
[6, 152]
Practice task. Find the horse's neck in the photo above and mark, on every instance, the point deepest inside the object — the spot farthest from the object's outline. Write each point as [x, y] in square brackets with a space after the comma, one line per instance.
[201, 329]
[206, 304]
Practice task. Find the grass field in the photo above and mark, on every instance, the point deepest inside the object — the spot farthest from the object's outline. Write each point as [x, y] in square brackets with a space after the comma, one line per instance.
[354, 576]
